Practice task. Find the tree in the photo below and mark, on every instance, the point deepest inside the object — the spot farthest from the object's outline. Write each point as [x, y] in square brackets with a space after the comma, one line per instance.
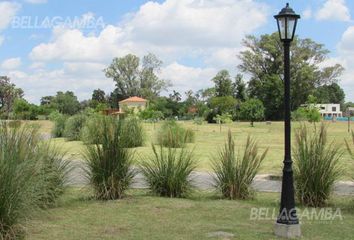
[225, 104]
[223, 84]
[332, 93]
[99, 96]
[8, 94]
[252, 110]
[66, 103]
[24, 110]
[46, 100]
[263, 60]
[134, 80]
[240, 88]
[175, 96]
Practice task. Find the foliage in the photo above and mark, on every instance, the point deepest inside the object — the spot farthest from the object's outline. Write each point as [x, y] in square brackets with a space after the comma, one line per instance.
[8, 94]
[240, 88]
[223, 84]
[25, 111]
[224, 118]
[132, 133]
[168, 172]
[252, 110]
[172, 135]
[223, 104]
[59, 123]
[263, 60]
[151, 114]
[332, 93]
[234, 173]
[133, 79]
[66, 103]
[99, 96]
[109, 166]
[31, 176]
[316, 166]
[73, 127]
[92, 130]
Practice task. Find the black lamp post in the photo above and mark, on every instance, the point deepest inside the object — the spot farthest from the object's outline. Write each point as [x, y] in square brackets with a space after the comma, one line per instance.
[287, 222]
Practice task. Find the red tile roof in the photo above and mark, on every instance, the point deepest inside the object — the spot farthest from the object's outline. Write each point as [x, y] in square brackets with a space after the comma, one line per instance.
[133, 99]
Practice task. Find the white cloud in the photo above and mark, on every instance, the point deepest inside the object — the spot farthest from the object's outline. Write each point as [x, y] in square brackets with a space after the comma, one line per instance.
[185, 78]
[11, 63]
[1, 40]
[307, 13]
[8, 11]
[208, 31]
[334, 10]
[36, 1]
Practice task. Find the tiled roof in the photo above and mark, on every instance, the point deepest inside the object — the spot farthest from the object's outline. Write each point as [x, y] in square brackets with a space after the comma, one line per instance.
[133, 99]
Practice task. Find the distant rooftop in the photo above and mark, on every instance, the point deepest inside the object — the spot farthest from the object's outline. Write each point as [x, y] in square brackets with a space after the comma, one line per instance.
[133, 99]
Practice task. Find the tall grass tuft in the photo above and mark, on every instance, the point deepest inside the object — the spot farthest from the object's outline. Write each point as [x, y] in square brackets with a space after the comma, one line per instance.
[351, 152]
[132, 132]
[26, 181]
[59, 123]
[172, 135]
[92, 130]
[109, 166]
[168, 172]
[73, 127]
[316, 166]
[234, 173]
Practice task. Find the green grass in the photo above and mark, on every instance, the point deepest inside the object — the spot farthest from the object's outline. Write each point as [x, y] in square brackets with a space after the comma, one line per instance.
[140, 216]
[208, 140]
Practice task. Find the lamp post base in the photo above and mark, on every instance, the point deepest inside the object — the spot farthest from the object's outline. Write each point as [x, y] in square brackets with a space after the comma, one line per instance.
[287, 231]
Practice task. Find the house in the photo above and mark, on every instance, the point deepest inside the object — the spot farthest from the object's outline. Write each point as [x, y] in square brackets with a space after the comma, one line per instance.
[133, 103]
[350, 111]
[330, 110]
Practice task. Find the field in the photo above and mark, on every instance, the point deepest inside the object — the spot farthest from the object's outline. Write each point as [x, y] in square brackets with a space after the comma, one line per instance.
[142, 216]
[209, 139]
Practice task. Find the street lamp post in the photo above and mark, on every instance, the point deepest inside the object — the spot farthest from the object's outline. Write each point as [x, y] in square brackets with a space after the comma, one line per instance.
[287, 224]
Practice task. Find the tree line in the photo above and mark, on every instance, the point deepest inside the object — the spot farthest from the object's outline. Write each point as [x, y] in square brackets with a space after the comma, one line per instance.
[231, 97]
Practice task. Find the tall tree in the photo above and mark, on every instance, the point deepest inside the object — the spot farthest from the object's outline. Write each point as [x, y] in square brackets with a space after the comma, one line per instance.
[8, 94]
[240, 88]
[263, 60]
[175, 96]
[66, 103]
[223, 84]
[134, 80]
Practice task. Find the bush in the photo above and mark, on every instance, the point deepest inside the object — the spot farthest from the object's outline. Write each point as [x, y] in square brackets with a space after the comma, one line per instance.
[27, 181]
[173, 135]
[309, 113]
[234, 174]
[59, 123]
[73, 126]
[351, 152]
[168, 172]
[316, 166]
[132, 133]
[109, 166]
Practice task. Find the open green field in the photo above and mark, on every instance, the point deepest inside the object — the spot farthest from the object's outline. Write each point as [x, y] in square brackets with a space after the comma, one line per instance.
[142, 216]
[209, 139]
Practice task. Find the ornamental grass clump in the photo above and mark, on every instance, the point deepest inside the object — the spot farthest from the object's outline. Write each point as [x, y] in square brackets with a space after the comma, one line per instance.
[31, 177]
[234, 173]
[73, 127]
[168, 172]
[172, 135]
[350, 146]
[316, 166]
[132, 132]
[92, 130]
[109, 165]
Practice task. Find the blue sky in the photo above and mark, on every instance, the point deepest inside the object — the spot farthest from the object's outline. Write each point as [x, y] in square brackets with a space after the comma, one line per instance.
[44, 50]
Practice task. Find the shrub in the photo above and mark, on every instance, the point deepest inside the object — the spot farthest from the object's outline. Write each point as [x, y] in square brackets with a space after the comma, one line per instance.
[27, 181]
[234, 174]
[132, 132]
[168, 172]
[351, 152]
[173, 135]
[109, 166]
[59, 123]
[316, 166]
[73, 126]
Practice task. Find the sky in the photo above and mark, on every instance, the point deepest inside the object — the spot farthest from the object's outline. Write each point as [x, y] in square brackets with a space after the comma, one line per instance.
[58, 45]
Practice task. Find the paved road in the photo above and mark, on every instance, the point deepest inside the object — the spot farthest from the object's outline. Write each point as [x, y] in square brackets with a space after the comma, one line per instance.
[204, 181]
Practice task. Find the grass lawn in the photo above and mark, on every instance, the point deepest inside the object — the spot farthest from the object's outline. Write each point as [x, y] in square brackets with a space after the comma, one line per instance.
[209, 139]
[140, 216]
